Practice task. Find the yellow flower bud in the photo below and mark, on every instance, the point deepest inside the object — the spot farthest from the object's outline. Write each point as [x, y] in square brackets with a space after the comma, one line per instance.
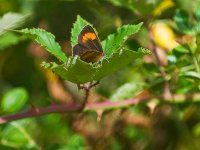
[163, 36]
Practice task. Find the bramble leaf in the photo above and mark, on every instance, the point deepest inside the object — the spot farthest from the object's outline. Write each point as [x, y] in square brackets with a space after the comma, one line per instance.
[114, 41]
[46, 40]
[8, 39]
[11, 20]
[78, 71]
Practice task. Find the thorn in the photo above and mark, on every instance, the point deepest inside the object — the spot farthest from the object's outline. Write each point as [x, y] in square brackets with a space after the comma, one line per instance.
[99, 115]
[34, 108]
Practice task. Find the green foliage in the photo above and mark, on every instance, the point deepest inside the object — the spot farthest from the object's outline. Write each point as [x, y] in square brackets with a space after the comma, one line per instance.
[126, 91]
[184, 24]
[8, 39]
[16, 135]
[46, 40]
[117, 40]
[78, 71]
[191, 74]
[197, 13]
[143, 116]
[182, 21]
[76, 142]
[13, 135]
[14, 100]
[11, 21]
[144, 7]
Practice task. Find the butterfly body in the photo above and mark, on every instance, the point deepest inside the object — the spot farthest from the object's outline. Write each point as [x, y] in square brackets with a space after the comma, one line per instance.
[89, 47]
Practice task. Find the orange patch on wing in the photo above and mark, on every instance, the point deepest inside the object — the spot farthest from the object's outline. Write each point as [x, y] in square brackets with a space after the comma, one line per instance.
[88, 36]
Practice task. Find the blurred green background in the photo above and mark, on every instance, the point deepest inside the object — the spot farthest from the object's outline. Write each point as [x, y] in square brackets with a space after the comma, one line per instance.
[169, 120]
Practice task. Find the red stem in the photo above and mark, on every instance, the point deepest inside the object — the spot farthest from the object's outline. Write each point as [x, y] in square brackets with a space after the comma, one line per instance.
[68, 108]
[34, 112]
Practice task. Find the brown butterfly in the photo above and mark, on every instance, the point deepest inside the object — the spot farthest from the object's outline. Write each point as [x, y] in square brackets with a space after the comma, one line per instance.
[89, 47]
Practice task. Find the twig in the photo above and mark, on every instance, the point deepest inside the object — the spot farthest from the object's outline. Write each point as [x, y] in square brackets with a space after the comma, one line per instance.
[73, 108]
[34, 112]
[86, 87]
[167, 92]
[69, 108]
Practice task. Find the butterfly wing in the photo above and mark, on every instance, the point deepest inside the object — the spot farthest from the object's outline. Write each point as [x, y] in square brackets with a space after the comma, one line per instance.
[79, 50]
[88, 38]
[89, 47]
[86, 54]
[92, 56]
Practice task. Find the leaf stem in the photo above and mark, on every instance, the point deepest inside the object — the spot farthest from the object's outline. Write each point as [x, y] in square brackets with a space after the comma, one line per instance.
[196, 63]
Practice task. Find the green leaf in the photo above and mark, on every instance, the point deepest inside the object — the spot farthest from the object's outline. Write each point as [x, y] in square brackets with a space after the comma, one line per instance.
[8, 39]
[14, 136]
[78, 71]
[124, 3]
[114, 41]
[191, 74]
[14, 100]
[182, 48]
[126, 91]
[196, 28]
[197, 12]
[77, 27]
[46, 40]
[45, 64]
[17, 134]
[182, 20]
[143, 7]
[196, 129]
[75, 142]
[11, 21]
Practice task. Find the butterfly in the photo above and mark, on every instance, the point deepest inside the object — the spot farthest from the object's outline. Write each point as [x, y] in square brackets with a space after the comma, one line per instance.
[89, 47]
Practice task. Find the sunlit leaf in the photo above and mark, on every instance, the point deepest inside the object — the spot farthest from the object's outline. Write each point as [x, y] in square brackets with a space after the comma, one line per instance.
[15, 134]
[8, 39]
[11, 20]
[197, 12]
[114, 41]
[78, 71]
[46, 40]
[126, 91]
[182, 48]
[14, 100]
[191, 74]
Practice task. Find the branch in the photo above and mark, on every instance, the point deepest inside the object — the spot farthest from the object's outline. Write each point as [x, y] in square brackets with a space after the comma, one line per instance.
[34, 112]
[74, 108]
